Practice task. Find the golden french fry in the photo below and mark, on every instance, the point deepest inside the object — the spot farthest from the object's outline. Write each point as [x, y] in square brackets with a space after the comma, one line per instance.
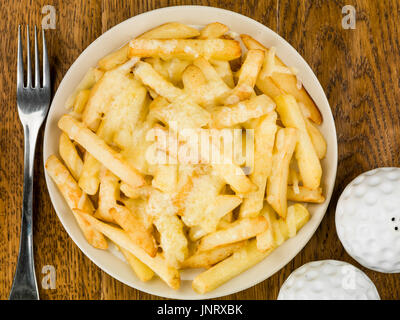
[293, 180]
[205, 259]
[170, 30]
[219, 49]
[158, 264]
[227, 269]
[143, 272]
[173, 240]
[291, 221]
[204, 84]
[224, 70]
[172, 237]
[280, 83]
[301, 215]
[145, 72]
[308, 161]
[175, 68]
[91, 77]
[248, 76]
[89, 179]
[265, 240]
[182, 114]
[306, 195]
[241, 230]
[134, 228]
[217, 84]
[112, 84]
[193, 79]
[114, 59]
[166, 178]
[286, 140]
[75, 198]
[81, 100]
[70, 156]
[264, 136]
[108, 195]
[317, 139]
[243, 111]
[100, 150]
[138, 206]
[213, 31]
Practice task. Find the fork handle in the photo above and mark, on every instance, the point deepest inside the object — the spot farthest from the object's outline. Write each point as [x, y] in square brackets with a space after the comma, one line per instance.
[24, 285]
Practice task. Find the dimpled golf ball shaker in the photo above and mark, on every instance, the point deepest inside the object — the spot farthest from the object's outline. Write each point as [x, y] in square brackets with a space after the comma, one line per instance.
[328, 280]
[368, 219]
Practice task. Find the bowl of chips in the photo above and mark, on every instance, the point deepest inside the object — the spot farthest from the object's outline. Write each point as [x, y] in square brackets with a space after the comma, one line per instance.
[130, 183]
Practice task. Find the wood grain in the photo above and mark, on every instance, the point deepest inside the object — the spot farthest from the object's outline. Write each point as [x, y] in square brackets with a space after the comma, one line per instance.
[357, 69]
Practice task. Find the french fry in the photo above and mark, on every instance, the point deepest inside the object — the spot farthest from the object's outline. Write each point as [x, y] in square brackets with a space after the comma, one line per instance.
[143, 272]
[285, 143]
[134, 228]
[70, 156]
[89, 179]
[293, 180]
[166, 178]
[306, 195]
[175, 68]
[204, 84]
[171, 30]
[265, 240]
[193, 79]
[108, 195]
[291, 221]
[308, 161]
[206, 259]
[112, 84]
[222, 272]
[248, 76]
[114, 59]
[241, 230]
[173, 240]
[100, 150]
[75, 198]
[264, 135]
[145, 72]
[213, 31]
[279, 83]
[224, 70]
[240, 261]
[183, 114]
[317, 139]
[243, 111]
[158, 264]
[81, 100]
[138, 206]
[219, 49]
[216, 83]
[88, 81]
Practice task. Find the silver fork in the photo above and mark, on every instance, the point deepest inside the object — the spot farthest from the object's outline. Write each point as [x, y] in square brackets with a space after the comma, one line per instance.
[33, 103]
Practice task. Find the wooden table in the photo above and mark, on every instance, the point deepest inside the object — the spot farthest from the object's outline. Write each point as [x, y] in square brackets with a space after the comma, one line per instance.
[357, 69]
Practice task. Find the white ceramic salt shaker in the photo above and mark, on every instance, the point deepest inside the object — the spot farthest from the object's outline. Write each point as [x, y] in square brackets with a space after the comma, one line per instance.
[368, 219]
[328, 280]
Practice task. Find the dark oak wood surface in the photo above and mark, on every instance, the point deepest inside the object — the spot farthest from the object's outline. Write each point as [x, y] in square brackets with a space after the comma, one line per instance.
[357, 69]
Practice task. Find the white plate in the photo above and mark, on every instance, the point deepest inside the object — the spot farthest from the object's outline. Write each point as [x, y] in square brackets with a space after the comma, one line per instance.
[193, 15]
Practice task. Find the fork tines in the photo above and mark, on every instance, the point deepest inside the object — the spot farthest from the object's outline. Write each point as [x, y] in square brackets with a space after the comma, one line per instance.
[20, 66]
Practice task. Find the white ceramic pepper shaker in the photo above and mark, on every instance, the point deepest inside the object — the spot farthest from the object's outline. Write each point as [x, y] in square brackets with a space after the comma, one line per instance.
[328, 280]
[368, 219]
